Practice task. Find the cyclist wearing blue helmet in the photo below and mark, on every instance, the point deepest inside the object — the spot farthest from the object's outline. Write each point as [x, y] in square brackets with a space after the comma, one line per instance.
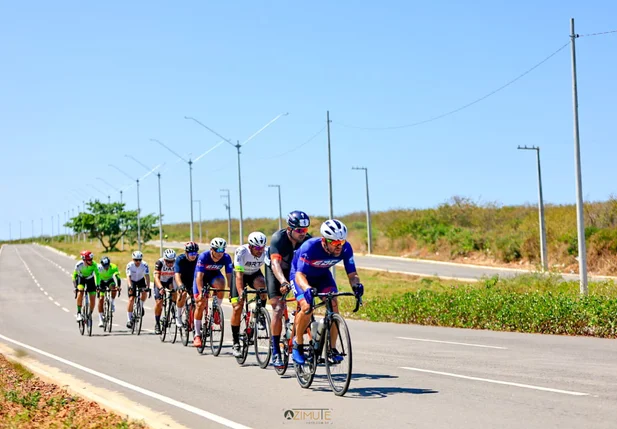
[278, 265]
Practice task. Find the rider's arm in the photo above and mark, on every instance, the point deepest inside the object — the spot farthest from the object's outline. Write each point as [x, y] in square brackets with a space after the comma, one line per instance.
[75, 277]
[147, 274]
[350, 265]
[116, 276]
[177, 271]
[128, 275]
[199, 272]
[275, 261]
[97, 276]
[229, 268]
[239, 268]
[157, 274]
[301, 280]
[354, 279]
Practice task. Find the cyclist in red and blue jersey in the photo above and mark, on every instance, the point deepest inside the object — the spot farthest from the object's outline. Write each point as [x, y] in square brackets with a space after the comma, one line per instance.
[208, 271]
[310, 269]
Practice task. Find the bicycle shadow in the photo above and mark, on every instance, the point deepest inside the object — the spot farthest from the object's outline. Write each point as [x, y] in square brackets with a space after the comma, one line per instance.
[321, 384]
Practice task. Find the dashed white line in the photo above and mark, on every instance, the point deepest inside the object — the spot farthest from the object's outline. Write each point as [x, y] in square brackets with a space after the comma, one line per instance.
[167, 400]
[46, 293]
[50, 298]
[65, 309]
[452, 342]
[57, 303]
[507, 383]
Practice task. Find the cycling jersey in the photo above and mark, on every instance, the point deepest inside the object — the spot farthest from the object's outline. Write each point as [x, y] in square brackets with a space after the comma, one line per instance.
[313, 261]
[165, 271]
[211, 269]
[86, 271]
[109, 273]
[186, 269]
[282, 248]
[137, 273]
[245, 262]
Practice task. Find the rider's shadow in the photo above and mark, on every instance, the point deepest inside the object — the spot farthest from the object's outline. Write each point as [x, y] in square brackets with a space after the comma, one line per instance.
[321, 384]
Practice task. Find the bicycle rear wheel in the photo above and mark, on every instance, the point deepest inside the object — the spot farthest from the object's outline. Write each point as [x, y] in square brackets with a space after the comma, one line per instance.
[164, 319]
[140, 314]
[185, 331]
[89, 319]
[172, 323]
[263, 347]
[306, 373]
[217, 330]
[202, 334]
[244, 340]
[338, 368]
[107, 315]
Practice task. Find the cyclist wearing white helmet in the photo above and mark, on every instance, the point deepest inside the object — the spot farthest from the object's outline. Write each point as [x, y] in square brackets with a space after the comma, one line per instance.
[137, 277]
[208, 272]
[248, 260]
[163, 279]
[310, 269]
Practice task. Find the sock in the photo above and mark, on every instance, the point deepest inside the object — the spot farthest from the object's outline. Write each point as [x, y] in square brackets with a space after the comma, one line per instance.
[235, 333]
[275, 344]
[79, 308]
[179, 315]
[157, 319]
[197, 327]
[113, 300]
[100, 317]
[130, 316]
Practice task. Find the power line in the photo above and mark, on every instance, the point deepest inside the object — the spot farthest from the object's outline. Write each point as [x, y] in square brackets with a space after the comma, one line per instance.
[596, 34]
[451, 112]
[297, 147]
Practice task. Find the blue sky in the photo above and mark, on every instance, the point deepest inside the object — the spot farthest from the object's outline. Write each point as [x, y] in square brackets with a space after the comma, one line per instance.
[84, 83]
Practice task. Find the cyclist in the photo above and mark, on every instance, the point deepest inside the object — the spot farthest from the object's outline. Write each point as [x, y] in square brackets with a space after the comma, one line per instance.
[184, 270]
[248, 260]
[278, 263]
[208, 271]
[137, 277]
[85, 279]
[310, 269]
[163, 279]
[110, 278]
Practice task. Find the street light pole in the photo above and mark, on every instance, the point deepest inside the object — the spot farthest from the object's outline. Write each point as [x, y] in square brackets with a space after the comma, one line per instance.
[238, 146]
[369, 228]
[580, 220]
[199, 203]
[138, 207]
[228, 208]
[280, 207]
[543, 247]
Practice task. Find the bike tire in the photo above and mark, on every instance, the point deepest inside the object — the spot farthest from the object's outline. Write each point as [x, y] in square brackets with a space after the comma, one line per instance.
[202, 334]
[172, 316]
[185, 331]
[285, 346]
[306, 373]
[163, 323]
[340, 380]
[243, 340]
[89, 319]
[140, 313]
[216, 330]
[263, 338]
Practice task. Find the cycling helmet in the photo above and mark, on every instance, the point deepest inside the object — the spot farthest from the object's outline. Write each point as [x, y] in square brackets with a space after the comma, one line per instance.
[333, 229]
[137, 255]
[218, 243]
[169, 254]
[105, 262]
[298, 219]
[191, 247]
[257, 239]
[86, 255]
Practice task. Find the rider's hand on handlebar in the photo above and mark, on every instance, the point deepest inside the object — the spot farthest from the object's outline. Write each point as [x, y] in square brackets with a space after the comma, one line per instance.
[285, 287]
[358, 289]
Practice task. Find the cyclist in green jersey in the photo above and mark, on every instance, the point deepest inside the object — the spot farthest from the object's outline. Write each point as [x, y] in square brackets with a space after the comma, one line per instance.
[85, 279]
[110, 279]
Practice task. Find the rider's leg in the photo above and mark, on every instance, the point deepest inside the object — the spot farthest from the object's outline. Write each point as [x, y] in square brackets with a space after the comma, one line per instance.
[158, 306]
[237, 302]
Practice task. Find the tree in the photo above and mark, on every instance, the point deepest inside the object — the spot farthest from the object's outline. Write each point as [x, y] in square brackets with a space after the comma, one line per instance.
[110, 222]
[149, 228]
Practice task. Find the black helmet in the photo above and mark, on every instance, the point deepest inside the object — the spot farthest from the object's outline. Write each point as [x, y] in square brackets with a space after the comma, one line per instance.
[105, 261]
[298, 219]
[191, 247]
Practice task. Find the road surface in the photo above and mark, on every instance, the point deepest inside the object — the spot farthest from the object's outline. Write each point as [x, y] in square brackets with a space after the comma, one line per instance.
[404, 375]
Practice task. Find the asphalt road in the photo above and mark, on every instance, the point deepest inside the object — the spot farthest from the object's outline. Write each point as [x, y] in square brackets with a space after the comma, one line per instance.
[445, 270]
[404, 375]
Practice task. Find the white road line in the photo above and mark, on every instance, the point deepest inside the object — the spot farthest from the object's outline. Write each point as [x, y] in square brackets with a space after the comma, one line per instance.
[65, 309]
[57, 303]
[507, 383]
[205, 414]
[452, 342]
[46, 294]
[50, 298]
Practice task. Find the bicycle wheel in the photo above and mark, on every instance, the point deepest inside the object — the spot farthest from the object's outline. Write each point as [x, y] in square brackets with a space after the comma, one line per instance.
[244, 340]
[305, 373]
[140, 314]
[285, 345]
[263, 348]
[202, 334]
[135, 316]
[217, 330]
[82, 323]
[172, 323]
[106, 312]
[339, 369]
[164, 319]
[89, 319]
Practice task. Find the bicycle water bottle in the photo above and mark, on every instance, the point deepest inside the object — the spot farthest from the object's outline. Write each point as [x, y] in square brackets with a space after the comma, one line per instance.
[321, 326]
[314, 330]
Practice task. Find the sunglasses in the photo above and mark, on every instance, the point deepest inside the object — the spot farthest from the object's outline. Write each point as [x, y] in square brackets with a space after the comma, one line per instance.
[193, 254]
[258, 248]
[219, 250]
[300, 230]
[136, 260]
[335, 243]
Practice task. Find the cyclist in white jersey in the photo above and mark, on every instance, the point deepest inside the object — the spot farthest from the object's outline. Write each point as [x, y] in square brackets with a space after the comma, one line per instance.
[163, 282]
[137, 276]
[248, 260]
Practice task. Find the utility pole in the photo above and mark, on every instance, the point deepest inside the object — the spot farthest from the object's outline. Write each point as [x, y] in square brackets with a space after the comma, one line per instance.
[369, 229]
[580, 220]
[333, 269]
[280, 207]
[199, 203]
[543, 247]
[228, 207]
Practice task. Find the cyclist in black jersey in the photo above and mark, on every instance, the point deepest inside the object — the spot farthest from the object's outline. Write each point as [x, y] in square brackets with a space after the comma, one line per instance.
[278, 264]
[184, 272]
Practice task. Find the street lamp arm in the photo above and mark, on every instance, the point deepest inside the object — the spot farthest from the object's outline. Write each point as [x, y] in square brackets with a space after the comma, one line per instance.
[113, 166]
[209, 150]
[209, 129]
[263, 128]
[168, 148]
[138, 162]
[150, 172]
[108, 184]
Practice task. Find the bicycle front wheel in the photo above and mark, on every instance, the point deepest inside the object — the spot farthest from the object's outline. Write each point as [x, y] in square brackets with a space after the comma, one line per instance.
[163, 322]
[305, 373]
[185, 331]
[217, 330]
[338, 355]
[244, 339]
[172, 323]
[89, 318]
[140, 314]
[263, 348]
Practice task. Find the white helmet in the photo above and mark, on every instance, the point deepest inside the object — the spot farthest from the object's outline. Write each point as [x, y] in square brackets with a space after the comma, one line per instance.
[169, 254]
[218, 243]
[257, 239]
[334, 229]
[137, 255]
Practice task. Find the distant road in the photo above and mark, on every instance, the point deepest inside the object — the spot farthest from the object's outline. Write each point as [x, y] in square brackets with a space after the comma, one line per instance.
[444, 270]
